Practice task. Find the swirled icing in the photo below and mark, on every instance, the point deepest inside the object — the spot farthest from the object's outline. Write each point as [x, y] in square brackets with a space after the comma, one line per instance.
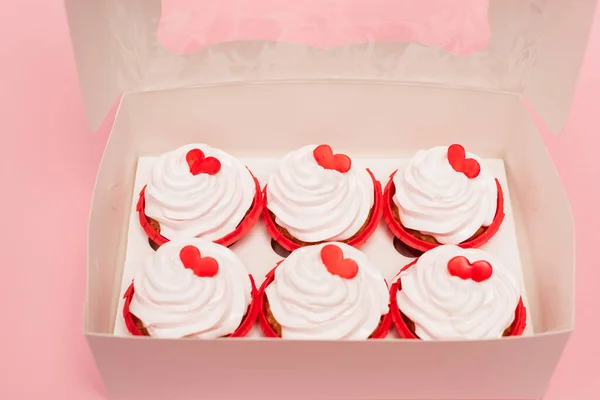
[311, 303]
[315, 204]
[173, 302]
[446, 307]
[203, 205]
[436, 200]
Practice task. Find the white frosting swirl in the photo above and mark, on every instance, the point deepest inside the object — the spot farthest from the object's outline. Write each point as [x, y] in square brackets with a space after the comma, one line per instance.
[436, 200]
[316, 204]
[173, 302]
[446, 307]
[311, 303]
[203, 205]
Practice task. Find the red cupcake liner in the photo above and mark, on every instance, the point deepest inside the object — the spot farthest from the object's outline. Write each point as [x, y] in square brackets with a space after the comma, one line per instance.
[245, 326]
[405, 237]
[517, 328]
[380, 333]
[227, 240]
[357, 241]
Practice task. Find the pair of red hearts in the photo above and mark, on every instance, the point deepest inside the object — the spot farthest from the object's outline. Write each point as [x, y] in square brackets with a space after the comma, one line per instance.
[457, 159]
[477, 271]
[200, 164]
[333, 258]
[204, 267]
[331, 255]
[326, 159]
[340, 162]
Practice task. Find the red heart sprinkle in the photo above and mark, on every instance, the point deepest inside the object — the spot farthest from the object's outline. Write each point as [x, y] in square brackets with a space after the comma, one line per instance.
[199, 164]
[478, 271]
[326, 159]
[204, 267]
[333, 258]
[468, 166]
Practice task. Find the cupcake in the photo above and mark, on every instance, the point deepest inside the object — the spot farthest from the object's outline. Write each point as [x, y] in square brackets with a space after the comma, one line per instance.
[190, 288]
[451, 293]
[199, 191]
[324, 292]
[315, 196]
[443, 196]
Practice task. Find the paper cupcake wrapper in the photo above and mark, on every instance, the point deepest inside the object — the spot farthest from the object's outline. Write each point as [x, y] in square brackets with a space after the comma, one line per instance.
[380, 333]
[421, 245]
[357, 241]
[227, 240]
[516, 329]
[242, 330]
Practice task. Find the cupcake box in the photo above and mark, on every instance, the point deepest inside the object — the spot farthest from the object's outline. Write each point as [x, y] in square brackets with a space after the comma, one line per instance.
[377, 101]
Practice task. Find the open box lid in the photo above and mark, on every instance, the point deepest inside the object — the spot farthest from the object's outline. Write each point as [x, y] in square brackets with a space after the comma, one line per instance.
[529, 47]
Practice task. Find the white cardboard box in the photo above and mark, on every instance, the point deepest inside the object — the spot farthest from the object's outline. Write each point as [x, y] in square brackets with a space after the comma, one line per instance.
[378, 100]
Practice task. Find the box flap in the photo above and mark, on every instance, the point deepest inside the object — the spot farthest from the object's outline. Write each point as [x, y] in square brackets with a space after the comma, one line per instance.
[553, 78]
[530, 46]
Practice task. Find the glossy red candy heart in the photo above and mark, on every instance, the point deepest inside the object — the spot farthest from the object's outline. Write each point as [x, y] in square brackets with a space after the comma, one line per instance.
[200, 164]
[333, 258]
[326, 159]
[468, 166]
[478, 271]
[204, 267]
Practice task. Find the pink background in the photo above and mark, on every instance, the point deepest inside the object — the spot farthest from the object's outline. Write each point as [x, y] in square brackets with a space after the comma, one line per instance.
[48, 163]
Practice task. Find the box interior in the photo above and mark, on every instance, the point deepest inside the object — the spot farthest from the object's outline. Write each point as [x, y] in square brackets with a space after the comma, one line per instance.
[258, 254]
[370, 121]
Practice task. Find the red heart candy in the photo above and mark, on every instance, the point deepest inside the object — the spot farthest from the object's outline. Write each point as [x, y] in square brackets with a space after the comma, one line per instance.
[204, 267]
[478, 271]
[199, 164]
[326, 159]
[333, 258]
[468, 166]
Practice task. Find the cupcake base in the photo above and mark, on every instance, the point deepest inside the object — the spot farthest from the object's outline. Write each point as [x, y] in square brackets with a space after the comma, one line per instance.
[424, 237]
[290, 243]
[140, 325]
[136, 327]
[406, 327]
[423, 242]
[285, 235]
[152, 227]
[411, 327]
[272, 328]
